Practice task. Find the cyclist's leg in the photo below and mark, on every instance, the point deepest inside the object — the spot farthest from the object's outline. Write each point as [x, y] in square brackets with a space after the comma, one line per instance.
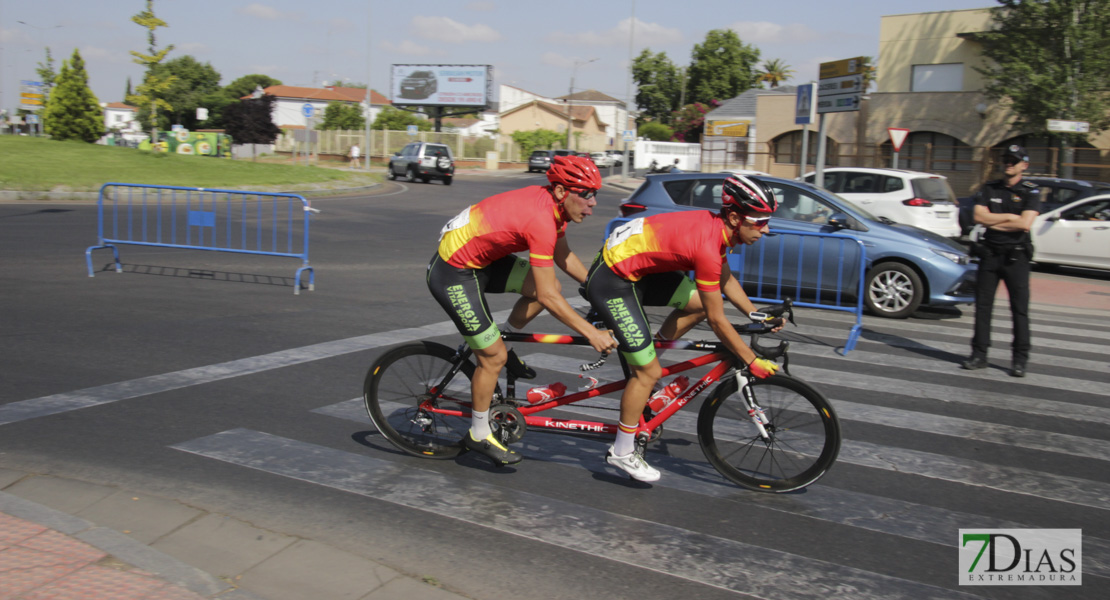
[513, 275]
[678, 291]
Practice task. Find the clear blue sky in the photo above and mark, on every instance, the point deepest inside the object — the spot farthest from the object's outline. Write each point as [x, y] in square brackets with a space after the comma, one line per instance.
[532, 45]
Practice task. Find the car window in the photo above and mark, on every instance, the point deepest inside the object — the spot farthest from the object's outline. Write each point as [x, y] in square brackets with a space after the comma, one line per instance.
[893, 184]
[1098, 210]
[858, 183]
[706, 194]
[931, 188]
[539, 153]
[1061, 195]
[796, 204]
[834, 182]
[679, 190]
[410, 150]
[431, 149]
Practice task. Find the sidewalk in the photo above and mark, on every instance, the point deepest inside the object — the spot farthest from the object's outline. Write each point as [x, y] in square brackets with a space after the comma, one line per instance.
[62, 538]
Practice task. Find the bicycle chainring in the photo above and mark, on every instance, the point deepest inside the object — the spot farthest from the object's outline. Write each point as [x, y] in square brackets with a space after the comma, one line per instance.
[507, 423]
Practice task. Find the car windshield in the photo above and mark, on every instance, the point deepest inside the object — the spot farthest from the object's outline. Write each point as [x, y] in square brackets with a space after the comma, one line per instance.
[431, 150]
[539, 153]
[932, 188]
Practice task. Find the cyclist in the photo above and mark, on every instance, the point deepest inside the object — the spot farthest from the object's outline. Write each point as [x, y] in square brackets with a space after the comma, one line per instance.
[475, 257]
[643, 263]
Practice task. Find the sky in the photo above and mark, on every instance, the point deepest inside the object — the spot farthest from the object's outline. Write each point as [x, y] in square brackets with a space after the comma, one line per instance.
[535, 46]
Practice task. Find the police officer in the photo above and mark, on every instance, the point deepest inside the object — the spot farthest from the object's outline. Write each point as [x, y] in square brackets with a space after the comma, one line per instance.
[1006, 208]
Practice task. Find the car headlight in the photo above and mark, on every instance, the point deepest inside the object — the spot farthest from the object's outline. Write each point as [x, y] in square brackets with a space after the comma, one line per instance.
[957, 257]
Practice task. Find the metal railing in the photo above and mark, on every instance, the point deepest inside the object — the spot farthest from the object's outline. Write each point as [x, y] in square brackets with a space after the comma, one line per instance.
[261, 223]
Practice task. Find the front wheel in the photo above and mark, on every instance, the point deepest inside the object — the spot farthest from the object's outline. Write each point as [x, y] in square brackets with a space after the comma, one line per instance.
[402, 400]
[803, 434]
[893, 290]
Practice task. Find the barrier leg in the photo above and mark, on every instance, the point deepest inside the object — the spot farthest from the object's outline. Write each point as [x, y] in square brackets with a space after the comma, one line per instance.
[311, 280]
[852, 337]
[115, 255]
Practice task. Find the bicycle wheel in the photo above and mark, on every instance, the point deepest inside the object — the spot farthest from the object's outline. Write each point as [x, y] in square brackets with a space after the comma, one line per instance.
[804, 434]
[400, 401]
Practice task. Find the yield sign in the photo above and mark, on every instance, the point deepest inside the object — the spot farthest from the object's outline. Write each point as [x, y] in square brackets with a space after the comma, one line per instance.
[897, 136]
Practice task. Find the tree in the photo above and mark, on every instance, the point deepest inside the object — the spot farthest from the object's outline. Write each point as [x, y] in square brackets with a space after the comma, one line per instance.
[151, 91]
[73, 112]
[689, 122]
[395, 119]
[537, 138]
[657, 86]
[868, 72]
[775, 72]
[721, 67]
[656, 132]
[245, 85]
[341, 115]
[47, 76]
[1051, 60]
[191, 82]
[250, 121]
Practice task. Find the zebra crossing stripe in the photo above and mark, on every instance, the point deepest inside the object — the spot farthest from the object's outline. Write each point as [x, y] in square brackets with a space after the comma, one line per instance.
[694, 556]
[834, 505]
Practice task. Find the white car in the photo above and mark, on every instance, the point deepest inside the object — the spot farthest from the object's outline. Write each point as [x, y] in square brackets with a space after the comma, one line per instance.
[920, 199]
[601, 159]
[1077, 234]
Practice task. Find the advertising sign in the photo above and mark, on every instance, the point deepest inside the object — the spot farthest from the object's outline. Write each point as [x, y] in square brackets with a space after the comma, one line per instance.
[442, 85]
[731, 128]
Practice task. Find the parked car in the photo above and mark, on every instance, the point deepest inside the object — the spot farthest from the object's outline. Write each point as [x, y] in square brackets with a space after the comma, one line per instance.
[1055, 193]
[424, 161]
[601, 159]
[1077, 234]
[906, 267]
[920, 199]
[419, 85]
[540, 160]
[617, 156]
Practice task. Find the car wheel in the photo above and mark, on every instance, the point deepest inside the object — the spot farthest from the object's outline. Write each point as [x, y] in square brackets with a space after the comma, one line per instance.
[893, 290]
[390, 174]
[425, 179]
[447, 180]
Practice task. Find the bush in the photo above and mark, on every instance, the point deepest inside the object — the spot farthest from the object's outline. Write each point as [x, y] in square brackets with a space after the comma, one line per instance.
[656, 132]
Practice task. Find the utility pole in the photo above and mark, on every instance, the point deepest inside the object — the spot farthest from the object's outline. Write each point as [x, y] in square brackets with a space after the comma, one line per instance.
[570, 116]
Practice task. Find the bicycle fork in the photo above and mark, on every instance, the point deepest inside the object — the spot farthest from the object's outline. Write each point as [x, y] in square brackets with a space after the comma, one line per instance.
[755, 412]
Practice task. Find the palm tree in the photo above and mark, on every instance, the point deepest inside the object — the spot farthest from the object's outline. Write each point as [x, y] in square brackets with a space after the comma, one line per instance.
[775, 72]
[869, 73]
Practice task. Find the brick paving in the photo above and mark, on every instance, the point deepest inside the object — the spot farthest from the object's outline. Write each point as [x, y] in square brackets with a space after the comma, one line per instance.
[38, 563]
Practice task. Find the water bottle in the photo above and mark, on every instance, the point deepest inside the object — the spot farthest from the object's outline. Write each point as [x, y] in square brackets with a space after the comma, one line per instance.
[664, 396]
[545, 393]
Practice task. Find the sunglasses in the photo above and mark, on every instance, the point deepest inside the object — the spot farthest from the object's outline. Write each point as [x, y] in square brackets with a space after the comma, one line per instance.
[760, 222]
[583, 194]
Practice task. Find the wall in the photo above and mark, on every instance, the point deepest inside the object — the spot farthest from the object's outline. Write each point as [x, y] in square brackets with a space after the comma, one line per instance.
[929, 39]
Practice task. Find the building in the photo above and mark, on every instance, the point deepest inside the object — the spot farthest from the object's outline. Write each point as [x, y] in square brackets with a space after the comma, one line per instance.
[121, 123]
[588, 130]
[611, 111]
[290, 101]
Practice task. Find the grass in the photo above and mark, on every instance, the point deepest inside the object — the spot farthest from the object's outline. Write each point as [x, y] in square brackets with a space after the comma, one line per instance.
[39, 164]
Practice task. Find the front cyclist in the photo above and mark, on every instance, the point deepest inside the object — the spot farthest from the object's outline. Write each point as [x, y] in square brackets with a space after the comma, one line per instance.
[644, 263]
[475, 257]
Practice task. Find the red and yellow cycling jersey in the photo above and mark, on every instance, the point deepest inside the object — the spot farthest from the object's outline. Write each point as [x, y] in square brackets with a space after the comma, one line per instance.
[524, 219]
[679, 241]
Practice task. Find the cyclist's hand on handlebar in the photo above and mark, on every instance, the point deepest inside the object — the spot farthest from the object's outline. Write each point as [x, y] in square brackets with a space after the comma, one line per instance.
[762, 368]
[777, 322]
[602, 341]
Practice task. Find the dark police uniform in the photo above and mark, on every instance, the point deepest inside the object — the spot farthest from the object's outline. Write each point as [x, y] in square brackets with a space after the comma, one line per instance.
[1004, 255]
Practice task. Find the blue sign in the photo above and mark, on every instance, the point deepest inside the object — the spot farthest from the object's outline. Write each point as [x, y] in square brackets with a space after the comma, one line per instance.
[413, 129]
[803, 113]
[307, 110]
[32, 119]
[629, 135]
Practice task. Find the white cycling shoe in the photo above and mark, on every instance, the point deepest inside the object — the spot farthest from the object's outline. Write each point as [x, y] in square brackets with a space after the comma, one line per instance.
[634, 464]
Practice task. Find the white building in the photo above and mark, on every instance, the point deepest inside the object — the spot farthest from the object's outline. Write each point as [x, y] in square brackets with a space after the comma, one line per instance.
[121, 121]
[290, 101]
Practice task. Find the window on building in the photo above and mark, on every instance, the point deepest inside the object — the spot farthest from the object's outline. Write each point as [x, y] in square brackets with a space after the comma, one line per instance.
[938, 78]
[931, 151]
[787, 149]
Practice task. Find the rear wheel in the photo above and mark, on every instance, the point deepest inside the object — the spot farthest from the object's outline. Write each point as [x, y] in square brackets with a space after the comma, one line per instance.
[400, 399]
[447, 180]
[893, 290]
[803, 434]
[389, 172]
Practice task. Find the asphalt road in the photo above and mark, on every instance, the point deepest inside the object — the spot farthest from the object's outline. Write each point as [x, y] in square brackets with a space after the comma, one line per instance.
[200, 376]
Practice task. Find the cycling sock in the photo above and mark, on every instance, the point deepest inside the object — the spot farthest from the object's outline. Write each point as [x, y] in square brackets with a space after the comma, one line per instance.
[479, 424]
[626, 440]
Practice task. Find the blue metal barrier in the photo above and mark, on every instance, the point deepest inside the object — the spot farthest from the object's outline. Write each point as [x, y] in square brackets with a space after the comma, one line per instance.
[166, 216]
[817, 270]
[822, 271]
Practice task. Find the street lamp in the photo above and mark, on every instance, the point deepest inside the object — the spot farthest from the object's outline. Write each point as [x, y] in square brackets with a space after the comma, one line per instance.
[573, 72]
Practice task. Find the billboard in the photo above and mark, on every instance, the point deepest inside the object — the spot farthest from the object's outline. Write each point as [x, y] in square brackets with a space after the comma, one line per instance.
[728, 128]
[442, 85]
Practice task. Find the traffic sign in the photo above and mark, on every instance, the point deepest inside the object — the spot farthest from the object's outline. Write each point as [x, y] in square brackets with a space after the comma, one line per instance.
[897, 136]
[841, 103]
[32, 119]
[307, 109]
[840, 86]
[804, 105]
[413, 130]
[851, 84]
[841, 68]
[1069, 126]
[628, 135]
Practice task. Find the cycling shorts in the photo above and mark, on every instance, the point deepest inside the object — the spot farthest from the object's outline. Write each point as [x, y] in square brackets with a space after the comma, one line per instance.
[460, 291]
[620, 304]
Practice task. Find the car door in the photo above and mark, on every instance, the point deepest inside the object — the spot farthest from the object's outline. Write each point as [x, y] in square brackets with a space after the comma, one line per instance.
[1076, 235]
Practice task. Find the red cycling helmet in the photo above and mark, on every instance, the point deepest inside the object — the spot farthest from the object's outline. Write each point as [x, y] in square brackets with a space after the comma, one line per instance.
[574, 172]
[748, 195]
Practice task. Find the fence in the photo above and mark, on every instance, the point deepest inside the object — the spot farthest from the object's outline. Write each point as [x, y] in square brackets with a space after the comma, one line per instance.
[384, 143]
[268, 224]
[816, 270]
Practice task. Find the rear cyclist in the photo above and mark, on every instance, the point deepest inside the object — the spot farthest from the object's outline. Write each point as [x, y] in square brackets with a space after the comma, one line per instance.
[644, 263]
[475, 257]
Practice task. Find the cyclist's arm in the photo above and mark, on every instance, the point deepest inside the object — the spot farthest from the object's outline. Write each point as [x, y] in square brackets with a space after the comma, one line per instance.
[568, 261]
[734, 292]
[715, 312]
[550, 295]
